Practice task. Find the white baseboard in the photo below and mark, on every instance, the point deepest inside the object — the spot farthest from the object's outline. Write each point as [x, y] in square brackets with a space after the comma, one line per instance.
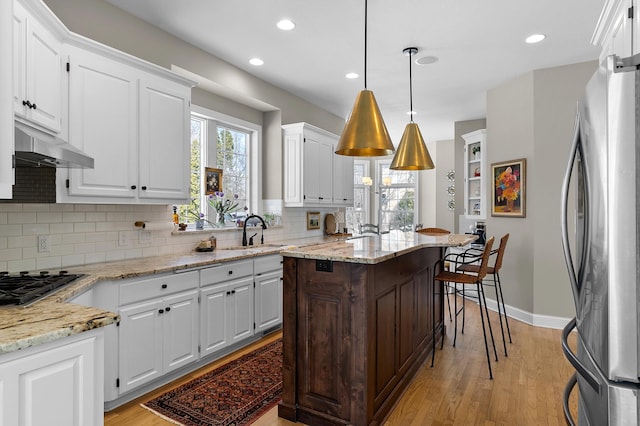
[546, 321]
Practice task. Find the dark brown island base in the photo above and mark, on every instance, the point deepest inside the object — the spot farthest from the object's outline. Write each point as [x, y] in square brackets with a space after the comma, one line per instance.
[358, 323]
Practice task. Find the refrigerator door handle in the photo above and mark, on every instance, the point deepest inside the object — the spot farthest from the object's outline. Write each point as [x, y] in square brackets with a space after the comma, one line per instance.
[564, 213]
[573, 359]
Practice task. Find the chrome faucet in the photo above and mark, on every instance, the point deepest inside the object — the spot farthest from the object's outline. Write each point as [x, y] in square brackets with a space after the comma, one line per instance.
[244, 230]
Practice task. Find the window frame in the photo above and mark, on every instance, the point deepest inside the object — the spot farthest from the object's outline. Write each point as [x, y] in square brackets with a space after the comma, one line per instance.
[380, 188]
[208, 153]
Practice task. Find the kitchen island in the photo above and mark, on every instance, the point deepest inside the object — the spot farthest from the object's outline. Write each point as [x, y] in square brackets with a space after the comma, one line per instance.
[359, 320]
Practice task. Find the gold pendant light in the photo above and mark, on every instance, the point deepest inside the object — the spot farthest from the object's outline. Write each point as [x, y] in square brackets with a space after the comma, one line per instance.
[412, 153]
[365, 134]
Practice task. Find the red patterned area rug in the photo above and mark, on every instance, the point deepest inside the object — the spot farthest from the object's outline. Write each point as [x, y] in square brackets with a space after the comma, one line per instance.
[235, 394]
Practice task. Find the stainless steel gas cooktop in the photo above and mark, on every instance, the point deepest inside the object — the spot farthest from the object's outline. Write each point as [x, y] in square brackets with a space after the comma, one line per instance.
[24, 288]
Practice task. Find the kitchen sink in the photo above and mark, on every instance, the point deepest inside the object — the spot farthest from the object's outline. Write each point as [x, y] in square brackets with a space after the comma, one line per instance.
[254, 247]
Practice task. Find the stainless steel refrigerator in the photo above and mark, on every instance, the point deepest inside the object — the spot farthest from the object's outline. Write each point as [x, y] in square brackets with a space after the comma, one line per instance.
[603, 259]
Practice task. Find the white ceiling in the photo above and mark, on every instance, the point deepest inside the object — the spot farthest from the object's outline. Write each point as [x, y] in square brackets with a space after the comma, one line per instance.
[480, 45]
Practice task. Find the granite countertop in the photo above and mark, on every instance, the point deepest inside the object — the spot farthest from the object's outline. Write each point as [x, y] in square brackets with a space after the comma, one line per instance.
[54, 318]
[377, 248]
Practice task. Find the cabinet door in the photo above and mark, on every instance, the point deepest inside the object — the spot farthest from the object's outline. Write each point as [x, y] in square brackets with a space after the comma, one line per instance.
[180, 330]
[240, 309]
[140, 344]
[311, 171]
[342, 180]
[213, 318]
[268, 300]
[38, 59]
[60, 385]
[164, 140]
[103, 107]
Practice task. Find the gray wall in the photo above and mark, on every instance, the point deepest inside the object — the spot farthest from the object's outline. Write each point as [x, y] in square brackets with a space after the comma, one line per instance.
[532, 117]
[109, 25]
[446, 161]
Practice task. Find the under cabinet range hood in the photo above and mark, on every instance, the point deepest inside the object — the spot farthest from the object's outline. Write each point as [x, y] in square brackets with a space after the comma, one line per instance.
[34, 148]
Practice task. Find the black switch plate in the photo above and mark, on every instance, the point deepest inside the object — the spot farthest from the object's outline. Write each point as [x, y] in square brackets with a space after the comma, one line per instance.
[324, 265]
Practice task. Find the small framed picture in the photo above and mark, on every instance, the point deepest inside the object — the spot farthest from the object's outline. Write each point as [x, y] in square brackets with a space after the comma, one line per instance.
[212, 180]
[313, 220]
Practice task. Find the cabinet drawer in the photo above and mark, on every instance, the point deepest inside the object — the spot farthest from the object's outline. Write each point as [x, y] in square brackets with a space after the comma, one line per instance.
[157, 286]
[267, 263]
[225, 272]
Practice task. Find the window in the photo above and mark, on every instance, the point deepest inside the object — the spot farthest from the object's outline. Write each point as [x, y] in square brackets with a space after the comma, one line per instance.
[397, 200]
[359, 213]
[231, 145]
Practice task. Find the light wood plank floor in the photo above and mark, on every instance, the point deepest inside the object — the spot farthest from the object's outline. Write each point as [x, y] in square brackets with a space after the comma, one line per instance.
[527, 387]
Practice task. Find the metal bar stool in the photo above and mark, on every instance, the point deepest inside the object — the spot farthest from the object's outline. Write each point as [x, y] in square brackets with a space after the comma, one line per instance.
[495, 272]
[475, 279]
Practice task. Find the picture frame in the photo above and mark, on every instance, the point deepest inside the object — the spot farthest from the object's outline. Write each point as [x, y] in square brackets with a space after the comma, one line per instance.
[212, 180]
[508, 189]
[313, 220]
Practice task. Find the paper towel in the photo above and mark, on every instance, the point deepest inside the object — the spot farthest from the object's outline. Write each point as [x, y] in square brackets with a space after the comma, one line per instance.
[158, 226]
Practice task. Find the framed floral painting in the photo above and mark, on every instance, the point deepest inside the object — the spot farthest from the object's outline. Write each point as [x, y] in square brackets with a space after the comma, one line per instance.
[508, 190]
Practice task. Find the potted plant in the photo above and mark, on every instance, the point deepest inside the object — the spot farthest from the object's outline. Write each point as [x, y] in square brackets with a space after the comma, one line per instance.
[476, 152]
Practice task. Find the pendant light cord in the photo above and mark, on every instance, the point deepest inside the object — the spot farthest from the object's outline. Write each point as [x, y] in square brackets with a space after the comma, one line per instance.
[410, 89]
[365, 44]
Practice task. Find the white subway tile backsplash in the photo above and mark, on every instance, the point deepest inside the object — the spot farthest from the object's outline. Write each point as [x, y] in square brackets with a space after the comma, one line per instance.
[72, 217]
[84, 227]
[45, 263]
[21, 265]
[49, 217]
[81, 234]
[25, 241]
[35, 208]
[11, 254]
[21, 217]
[73, 238]
[72, 260]
[96, 217]
[35, 229]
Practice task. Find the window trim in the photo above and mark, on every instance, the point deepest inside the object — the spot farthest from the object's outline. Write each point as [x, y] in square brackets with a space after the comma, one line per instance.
[255, 148]
[378, 185]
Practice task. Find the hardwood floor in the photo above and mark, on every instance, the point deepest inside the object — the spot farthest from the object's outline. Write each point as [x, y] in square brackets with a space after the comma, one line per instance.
[527, 387]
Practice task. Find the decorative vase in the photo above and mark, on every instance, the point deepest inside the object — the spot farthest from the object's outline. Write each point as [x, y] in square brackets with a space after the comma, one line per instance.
[221, 219]
[199, 224]
[509, 207]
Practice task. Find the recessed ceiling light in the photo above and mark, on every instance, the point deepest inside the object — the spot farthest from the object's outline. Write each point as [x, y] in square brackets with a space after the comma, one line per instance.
[256, 61]
[426, 60]
[535, 38]
[352, 75]
[286, 25]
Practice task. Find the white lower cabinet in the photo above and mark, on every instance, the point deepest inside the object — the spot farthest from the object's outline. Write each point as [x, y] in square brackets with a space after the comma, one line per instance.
[171, 320]
[58, 383]
[268, 292]
[226, 305]
[158, 335]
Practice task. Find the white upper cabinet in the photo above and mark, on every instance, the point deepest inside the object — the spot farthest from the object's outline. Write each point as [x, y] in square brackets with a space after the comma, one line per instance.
[6, 102]
[103, 104]
[475, 174]
[134, 123]
[313, 174]
[37, 71]
[618, 29]
[164, 147]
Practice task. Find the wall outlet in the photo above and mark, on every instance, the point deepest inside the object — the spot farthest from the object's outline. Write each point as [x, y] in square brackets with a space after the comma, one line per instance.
[43, 243]
[123, 239]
